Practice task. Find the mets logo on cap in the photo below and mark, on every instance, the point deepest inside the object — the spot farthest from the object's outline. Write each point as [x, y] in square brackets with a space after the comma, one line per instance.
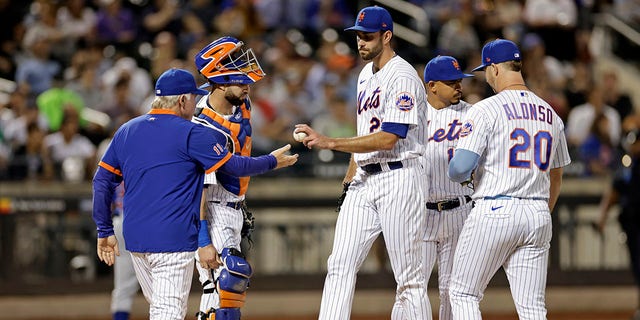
[404, 101]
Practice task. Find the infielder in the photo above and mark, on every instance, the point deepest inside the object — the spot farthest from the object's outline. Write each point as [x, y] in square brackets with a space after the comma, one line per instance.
[229, 70]
[515, 142]
[448, 203]
[125, 283]
[162, 157]
[386, 191]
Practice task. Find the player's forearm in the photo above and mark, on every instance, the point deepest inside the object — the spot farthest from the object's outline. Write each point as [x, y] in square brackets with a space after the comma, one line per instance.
[239, 166]
[555, 176]
[362, 144]
[104, 186]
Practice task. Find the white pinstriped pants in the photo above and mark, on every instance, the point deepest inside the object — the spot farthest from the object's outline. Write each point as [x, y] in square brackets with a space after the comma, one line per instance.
[514, 234]
[125, 283]
[392, 203]
[441, 240]
[165, 279]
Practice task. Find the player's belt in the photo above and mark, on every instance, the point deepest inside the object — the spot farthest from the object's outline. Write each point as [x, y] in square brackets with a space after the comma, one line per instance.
[447, 204]
[235, 205]
[374, 168]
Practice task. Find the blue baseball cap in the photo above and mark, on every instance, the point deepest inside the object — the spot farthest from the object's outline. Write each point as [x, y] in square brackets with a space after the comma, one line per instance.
[372, 19]
[444, 68]
[175, 82]
[497, 51]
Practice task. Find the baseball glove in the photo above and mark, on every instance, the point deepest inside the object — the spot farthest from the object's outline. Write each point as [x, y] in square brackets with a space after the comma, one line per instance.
[345, 187]
[248, 223]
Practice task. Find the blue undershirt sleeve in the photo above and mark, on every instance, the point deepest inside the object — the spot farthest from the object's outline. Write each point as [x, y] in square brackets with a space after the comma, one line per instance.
[104, 187]
[462, 164]
[399, 129]
[239, 166]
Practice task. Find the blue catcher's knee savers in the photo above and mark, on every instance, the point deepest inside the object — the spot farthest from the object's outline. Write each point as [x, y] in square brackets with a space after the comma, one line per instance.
[232, 284]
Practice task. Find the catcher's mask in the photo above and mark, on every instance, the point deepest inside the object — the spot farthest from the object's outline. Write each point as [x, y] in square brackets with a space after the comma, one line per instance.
[225, 61]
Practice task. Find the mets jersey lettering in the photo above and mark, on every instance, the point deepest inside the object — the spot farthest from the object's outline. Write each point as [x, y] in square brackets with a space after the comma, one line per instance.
[444, 129]
[528, 111]
[393, 94]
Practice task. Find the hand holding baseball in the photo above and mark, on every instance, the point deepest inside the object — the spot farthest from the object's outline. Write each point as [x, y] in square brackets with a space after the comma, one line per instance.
[299, 136]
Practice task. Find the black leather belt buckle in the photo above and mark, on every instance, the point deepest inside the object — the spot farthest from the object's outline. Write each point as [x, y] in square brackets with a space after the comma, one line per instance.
[374, 168]
[234, 205]
[446, 204]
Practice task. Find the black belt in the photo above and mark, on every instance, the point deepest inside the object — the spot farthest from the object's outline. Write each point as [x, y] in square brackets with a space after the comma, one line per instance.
[447, 204]
[235, 205]
[373, 168]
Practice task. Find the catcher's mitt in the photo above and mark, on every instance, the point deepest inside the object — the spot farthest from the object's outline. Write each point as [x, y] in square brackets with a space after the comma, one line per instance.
[248, 223]
[345, 187]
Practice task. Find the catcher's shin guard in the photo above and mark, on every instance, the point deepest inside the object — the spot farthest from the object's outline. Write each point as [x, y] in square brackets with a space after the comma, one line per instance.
[232, 284]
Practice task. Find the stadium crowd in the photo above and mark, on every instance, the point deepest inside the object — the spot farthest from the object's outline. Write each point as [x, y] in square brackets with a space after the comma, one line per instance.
[72, 71]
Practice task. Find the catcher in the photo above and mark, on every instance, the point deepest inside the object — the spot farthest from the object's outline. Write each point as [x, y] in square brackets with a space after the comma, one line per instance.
[229, 69]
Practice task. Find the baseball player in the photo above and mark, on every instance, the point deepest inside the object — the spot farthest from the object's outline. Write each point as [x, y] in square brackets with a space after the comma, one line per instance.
[448, 203]
[515, 142]
[125, 284]
[386, 187]
[162, 157]
[229, 69]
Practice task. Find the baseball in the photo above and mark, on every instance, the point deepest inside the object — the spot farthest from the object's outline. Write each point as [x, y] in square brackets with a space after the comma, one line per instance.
[299, 136]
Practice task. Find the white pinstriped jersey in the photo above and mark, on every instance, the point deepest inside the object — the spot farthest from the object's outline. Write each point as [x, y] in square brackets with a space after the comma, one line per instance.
[393, 94]
[514, 161]
[444, 127]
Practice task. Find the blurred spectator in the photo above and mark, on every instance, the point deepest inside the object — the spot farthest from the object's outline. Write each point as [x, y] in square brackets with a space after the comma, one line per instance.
[87, 85]
[624, 191]
[120, 104]
[27, 163]
[44, 25]
[76, 21]
[36, 70]
[165, 53]
[582, 118]
[579, 82]
[68, 155]
[174, 17]
[614, 97]
[205, 11]
[458, 37]
[140, 84]
[25, 114]
[240, 19]
[12, 31]
[53, 102]
[500, 18]
[537, 64]
[598, 151]
[116, 25]
[555, 21]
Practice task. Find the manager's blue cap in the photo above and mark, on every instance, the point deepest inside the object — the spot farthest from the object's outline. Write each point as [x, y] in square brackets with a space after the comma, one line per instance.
[497, 51]
[175, 82]
[372, 19]
[444, 68]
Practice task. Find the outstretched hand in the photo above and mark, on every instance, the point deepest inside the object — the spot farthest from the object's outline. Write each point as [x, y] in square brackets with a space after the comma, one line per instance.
[108, 249]
[284, 159]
